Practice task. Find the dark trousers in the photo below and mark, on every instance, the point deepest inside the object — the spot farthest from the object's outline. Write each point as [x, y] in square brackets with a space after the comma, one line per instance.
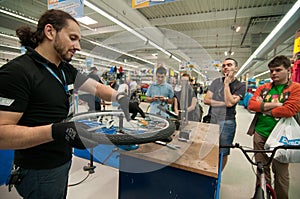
[45, 183]
[134, 108]
[280, 170]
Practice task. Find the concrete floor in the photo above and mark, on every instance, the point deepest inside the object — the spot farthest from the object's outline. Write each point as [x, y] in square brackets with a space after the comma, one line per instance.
[238, 178]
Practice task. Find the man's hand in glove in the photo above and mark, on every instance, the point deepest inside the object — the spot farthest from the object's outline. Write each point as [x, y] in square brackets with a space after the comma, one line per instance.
[123, 100]
[76, 134]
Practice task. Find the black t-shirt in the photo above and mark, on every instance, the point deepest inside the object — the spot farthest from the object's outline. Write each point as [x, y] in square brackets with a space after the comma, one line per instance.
[42, 99]
[192, 115]
[221, 113]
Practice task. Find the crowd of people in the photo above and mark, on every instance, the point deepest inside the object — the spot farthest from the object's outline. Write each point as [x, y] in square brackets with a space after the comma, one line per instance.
[37, 99]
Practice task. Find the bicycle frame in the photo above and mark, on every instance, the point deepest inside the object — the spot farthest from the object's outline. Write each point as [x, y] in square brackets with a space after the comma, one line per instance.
[261, 190]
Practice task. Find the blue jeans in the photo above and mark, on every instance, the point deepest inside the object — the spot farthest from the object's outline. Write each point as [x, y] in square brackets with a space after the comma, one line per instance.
[227, 133]
[45, 183]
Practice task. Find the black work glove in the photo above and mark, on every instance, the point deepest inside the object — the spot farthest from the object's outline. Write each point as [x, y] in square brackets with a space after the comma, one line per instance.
[123, 100]
[74, 133]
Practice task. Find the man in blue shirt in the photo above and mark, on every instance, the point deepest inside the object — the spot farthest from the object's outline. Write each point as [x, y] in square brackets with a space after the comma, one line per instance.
[160, 93]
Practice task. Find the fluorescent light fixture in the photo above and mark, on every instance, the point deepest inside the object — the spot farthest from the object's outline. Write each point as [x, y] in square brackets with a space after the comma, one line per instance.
[12, 47]
[117, 50]
[129, 29]
[159, 48]
[9, 36]
[177, 59]
[284, 20]
[16, 15]
[199, 73]
[260, 74]
[104, 14]
[105, 59]
[86, 20]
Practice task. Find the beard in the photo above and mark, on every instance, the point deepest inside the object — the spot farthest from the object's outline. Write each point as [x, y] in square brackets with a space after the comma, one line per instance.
[63, 54]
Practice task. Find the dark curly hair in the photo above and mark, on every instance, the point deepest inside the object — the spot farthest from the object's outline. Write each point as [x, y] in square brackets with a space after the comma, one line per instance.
[57, 18]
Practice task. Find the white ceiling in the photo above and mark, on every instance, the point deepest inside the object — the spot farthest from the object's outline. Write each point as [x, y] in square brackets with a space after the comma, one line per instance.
[195, 31]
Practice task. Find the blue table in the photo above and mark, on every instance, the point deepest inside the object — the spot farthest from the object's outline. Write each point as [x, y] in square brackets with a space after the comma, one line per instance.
[155, 171]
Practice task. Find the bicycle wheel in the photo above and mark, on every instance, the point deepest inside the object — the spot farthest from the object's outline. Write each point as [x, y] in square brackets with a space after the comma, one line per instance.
[110, 127]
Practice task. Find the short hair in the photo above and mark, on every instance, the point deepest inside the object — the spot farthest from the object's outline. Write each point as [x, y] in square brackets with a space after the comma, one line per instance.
[161, 70]
[280, 60]
[57, 18]
[235, 62]
[186, 75]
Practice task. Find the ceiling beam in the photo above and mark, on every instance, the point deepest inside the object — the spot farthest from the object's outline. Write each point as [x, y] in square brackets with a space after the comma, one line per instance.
[219, 15]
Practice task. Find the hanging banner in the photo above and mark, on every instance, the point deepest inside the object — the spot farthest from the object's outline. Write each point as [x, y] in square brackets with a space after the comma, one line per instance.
[74, 7]
[146, 3]
[171, 72]
[297, 42]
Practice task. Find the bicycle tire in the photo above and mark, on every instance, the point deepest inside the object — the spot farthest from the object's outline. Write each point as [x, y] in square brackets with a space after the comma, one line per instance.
[125, 138]
[270, 192]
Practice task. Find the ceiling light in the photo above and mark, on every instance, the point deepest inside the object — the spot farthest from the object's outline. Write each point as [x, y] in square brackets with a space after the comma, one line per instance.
[86, 20]
[18, 15]
[104, 58]
[235, 28]
[9, 36]
[117, 50]
[129, 29]
[229, 53]
[283, 21]
[260, 74]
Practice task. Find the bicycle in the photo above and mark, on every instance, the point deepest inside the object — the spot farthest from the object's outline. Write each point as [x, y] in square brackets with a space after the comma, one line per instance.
[109, 127]
[263, 190]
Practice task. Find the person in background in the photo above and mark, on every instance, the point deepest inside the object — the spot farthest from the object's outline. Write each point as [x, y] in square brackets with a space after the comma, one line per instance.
[123, 87]
[37, 99]
[223, 95]
[134, 107]
[133, 86]
[272, 101]
[160, 93]
[192, 108]
[113, 84]
[94, 102]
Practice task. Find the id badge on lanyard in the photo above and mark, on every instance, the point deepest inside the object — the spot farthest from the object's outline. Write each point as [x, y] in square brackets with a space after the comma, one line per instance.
[73, 101]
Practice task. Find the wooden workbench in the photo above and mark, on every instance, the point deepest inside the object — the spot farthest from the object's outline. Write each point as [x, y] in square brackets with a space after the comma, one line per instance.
[194, 164]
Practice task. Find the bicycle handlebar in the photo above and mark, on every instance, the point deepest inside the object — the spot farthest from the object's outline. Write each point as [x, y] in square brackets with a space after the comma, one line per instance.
[246, 151]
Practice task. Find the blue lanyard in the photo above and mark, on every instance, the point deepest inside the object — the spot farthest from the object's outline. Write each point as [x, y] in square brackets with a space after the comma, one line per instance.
[64, 84]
